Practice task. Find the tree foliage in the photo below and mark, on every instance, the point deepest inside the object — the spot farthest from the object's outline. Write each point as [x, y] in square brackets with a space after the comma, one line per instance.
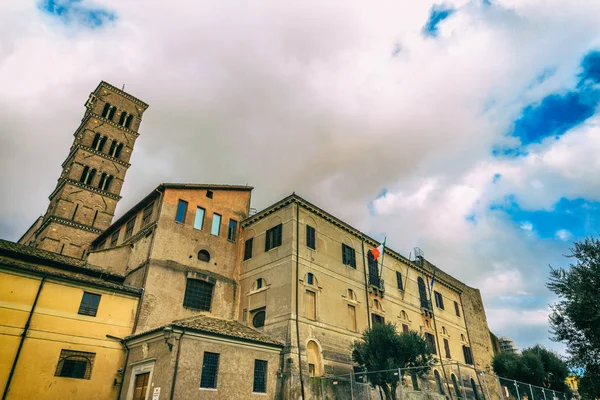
[555, 368]
[575, 318]
[382, 348]
[526, 368]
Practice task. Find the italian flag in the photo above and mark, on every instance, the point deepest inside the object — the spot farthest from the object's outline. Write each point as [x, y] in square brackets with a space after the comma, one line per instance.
[376, 252]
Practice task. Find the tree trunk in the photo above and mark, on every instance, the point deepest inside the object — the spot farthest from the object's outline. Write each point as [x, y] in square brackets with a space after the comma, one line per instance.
[394, 386]
[386, 391]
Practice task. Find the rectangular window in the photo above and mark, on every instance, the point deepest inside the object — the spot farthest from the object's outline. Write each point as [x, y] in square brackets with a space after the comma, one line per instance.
[89, 304]
[399, 280]
[439, 300]
[248, 248]
[447, 348]
[182, 206]
[468, 355]
[273, 237]
[129, 228]
[114, 238]
[260, 376]
[210, 370]
[216, 225]
[311, 237]
[147, 215]
[231, 233]
[311, 305]
[430, 339]
[377, 319]
[199, 219]
[75, 364]
[348, 256]
[352, 317]
[404, 328]
[198, 294]
[456, 309]
[141, 386]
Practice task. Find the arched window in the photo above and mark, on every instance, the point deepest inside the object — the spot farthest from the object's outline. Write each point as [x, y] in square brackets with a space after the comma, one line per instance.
[351, 295]
[113, 147]
[112, 112]
[102, 180]
[474, 386]
[423, 293]
[122, 118]
[108, 182]
[101, 144]
[118, 151]
[128, 121]
[105, 110]
[438, 382]
[403, 315]
[258, 318]
[84, 174]
[96, 141]
[314, 358]
[90, 177]
[463, 338]
[456, 388]
[444, 331]
[204, 255]
[310, 279]
[377, 305]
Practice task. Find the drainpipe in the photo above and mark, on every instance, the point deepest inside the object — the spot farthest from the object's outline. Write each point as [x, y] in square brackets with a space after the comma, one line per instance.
[23, 336]
[366, 283]
[124, 369]
[176, 366]
[297, 306]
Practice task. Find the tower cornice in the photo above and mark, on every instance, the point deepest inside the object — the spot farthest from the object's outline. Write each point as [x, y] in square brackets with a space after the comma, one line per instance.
[122, 93]
[63, 181]
[66, 222]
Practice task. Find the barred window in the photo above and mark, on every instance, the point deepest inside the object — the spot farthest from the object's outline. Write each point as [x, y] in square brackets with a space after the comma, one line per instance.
[147, 216]
[348, 256]
[89, 304]
[114, 238]
[273, 237]
[75, 364]
[198, 294]
[210, 370]
[311, 237]
[260, 376]
[248, 248]
[129, 228]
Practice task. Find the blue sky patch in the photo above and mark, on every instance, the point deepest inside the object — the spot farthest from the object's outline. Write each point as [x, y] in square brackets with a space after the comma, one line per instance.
[578, 217]
[438, 13]
[76, 11]
[591, 68]
[496, 178]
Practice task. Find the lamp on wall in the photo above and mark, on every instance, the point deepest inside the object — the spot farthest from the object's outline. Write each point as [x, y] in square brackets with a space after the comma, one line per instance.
[168, 334]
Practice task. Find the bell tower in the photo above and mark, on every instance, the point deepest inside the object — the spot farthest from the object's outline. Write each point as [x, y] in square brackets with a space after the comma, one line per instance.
[83, 203]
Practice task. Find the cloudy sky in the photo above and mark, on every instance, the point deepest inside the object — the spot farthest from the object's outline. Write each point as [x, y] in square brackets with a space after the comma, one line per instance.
[467, 128]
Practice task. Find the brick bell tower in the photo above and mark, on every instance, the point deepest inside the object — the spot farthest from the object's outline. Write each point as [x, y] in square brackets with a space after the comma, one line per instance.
[83, 203]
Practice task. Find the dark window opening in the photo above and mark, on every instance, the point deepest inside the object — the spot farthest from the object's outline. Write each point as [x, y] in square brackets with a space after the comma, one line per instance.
[377, 319]
[75, 212]
[260, 376]
[95, 141]
[89, 304]
[311, 237]
[258, 318]
[118, 151]
[399, 280]
[112, 112]
[181, 211]
[128, 121]
[129, 228]
[456, 309]
[90, 177]
[447, 348]
[273, 237]
[122, 118]
[114, 238]
[198, 294]
[468, 355]
[102, 143]
[423, 294]
[105, 181]
[415, 381]
[456, 388]
[259, 283]
[204, 255]
[113, 147]
[309, 278]
[348, 256]
[430, 339]
[75, 364]
[474, 387]
[62, 248]
[105, 110]
[373, 270]
[210, 370]
[248, 248]
[147, 215]
[438, 382]
[439, 300]
[405, 328]
[209, 194]
[95, 216]
[84, 174]
[231, 233]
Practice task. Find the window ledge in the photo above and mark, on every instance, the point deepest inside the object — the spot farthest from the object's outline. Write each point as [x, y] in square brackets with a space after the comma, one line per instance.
[260, 393]
[209, 389]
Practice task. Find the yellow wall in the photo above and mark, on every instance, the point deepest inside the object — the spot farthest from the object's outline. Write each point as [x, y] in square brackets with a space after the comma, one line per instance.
[55, 326]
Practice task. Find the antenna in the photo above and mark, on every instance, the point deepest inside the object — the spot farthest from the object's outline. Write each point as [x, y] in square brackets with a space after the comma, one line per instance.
[123, 88]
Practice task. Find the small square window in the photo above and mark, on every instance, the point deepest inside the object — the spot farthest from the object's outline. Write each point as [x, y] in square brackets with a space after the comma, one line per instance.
[75, 364]
[89, 304]
[248, 248]
[209, 194]
[210, 370]
[182, 206]
[260, 376]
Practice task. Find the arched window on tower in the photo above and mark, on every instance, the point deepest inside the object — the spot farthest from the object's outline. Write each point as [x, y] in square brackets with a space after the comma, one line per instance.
[95, 141]
[105, 110]
[112, 112]
[118, 151]
[84, 174]
[113, 148]
[102, 180]
[108, 182]
[128, 121]
[122, 118]
[90, 177]
[101, 143]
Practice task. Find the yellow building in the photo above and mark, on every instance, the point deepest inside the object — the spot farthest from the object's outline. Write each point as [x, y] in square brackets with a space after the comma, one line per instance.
[60, 320]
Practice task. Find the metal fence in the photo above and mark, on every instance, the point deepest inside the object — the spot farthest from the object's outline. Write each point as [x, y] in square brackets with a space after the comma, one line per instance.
[448, 381]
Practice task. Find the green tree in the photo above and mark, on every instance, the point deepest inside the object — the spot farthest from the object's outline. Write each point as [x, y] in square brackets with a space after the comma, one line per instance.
[527, 367]
[555, 368]
[575, 318]
[589, 384]
[382, 348]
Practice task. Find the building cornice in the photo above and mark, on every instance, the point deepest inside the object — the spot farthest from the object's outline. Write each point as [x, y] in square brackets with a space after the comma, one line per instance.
[294, 198]
[122, 93]
[93, 151]
[63, 181]
[66, 222]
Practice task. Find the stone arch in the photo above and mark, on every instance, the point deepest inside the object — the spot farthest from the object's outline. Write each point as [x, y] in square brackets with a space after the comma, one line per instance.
[347, 240]
[204, 255]
[404, 315]
[377, 305]
[309, 220]
[438, 382]
[314, 358]
[350, 294]
[310, 277]
[455, 385]
[259, 283]
[474, 387]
